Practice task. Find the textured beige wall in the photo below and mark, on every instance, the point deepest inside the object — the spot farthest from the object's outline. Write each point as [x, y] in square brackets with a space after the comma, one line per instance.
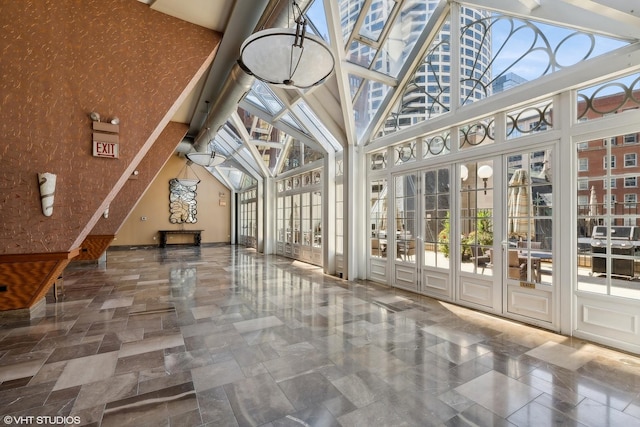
[62, 59]
[214, 219]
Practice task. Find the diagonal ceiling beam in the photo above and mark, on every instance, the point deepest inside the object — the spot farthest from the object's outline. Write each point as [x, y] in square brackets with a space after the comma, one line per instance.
[246, 138]
[530, 4]
[332, 13]
[584, 15]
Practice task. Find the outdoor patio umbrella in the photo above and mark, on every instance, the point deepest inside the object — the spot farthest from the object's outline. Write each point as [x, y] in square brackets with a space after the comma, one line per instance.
[593, 209]
[520, 223]
[593, 203]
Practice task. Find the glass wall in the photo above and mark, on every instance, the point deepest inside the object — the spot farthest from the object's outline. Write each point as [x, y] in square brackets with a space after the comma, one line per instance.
[247, 218]
[476, 217]
[299, 217]
[437, 214]
[607, 171]
[608, 229]
[378, 218]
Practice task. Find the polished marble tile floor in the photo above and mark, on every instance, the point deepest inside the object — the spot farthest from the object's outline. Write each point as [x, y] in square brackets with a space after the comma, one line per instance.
[223, 336]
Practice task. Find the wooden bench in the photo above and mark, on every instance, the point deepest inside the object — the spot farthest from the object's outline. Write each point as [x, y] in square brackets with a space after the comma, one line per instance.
[197, 236]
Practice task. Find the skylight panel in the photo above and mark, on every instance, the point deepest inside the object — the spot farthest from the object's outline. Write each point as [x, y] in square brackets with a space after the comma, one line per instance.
[317, 20]
[321, 129]
[291, 121]
[262, 97]
[377, 17]
[349, 11]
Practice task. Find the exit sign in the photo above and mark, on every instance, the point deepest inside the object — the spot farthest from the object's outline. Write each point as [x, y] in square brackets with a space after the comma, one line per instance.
[105, 149]
[105, 145]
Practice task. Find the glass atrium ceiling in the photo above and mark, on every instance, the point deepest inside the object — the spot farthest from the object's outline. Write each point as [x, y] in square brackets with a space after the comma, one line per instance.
[397, 65]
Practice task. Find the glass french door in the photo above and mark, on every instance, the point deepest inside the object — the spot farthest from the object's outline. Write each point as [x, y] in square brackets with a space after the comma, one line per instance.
[528, 229]
[420, 246]
[505, 248]
[402, 234]
[494, 251]
[476, 253]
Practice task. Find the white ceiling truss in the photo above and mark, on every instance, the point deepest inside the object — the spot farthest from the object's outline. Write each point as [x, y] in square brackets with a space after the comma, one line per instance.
[331, 115]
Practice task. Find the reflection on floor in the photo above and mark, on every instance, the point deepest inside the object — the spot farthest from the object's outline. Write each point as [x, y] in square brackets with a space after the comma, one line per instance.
[222, 336]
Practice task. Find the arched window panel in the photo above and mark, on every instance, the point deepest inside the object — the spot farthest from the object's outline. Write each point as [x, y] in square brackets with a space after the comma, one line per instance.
[498, 52]
[531, 119]
[428, 92]
[611, 97]
[476, 133]
[405, 152]
[378, 160]
[436, 145]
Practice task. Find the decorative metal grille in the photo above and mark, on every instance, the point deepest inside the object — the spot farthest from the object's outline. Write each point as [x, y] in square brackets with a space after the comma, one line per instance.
[474, 134]
[437, 145]
[529, 120]
[608, 98]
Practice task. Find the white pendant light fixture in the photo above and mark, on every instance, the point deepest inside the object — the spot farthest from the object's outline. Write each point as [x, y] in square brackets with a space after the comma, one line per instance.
[287, 57]
[187, 179]
[206, 159]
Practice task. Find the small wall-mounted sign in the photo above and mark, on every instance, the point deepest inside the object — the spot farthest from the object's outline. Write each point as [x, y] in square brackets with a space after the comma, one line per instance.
[105, 149]
[105, 140]
[527, 285]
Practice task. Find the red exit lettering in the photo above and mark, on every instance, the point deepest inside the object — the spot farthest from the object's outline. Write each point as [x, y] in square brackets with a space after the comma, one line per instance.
[105, 149]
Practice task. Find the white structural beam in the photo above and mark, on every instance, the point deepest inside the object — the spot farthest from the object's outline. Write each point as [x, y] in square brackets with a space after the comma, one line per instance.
[530, 4]
[332, 13]
[584, 15]
[246, 138]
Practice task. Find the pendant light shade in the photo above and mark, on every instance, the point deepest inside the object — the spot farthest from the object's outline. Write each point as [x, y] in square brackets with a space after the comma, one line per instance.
[206, 159]
[287, 57]
[187, 177]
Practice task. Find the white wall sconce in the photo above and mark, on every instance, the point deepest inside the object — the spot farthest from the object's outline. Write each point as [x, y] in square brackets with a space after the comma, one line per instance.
[47, 182]
[105, 214]
[485, 172]
[464, 172]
